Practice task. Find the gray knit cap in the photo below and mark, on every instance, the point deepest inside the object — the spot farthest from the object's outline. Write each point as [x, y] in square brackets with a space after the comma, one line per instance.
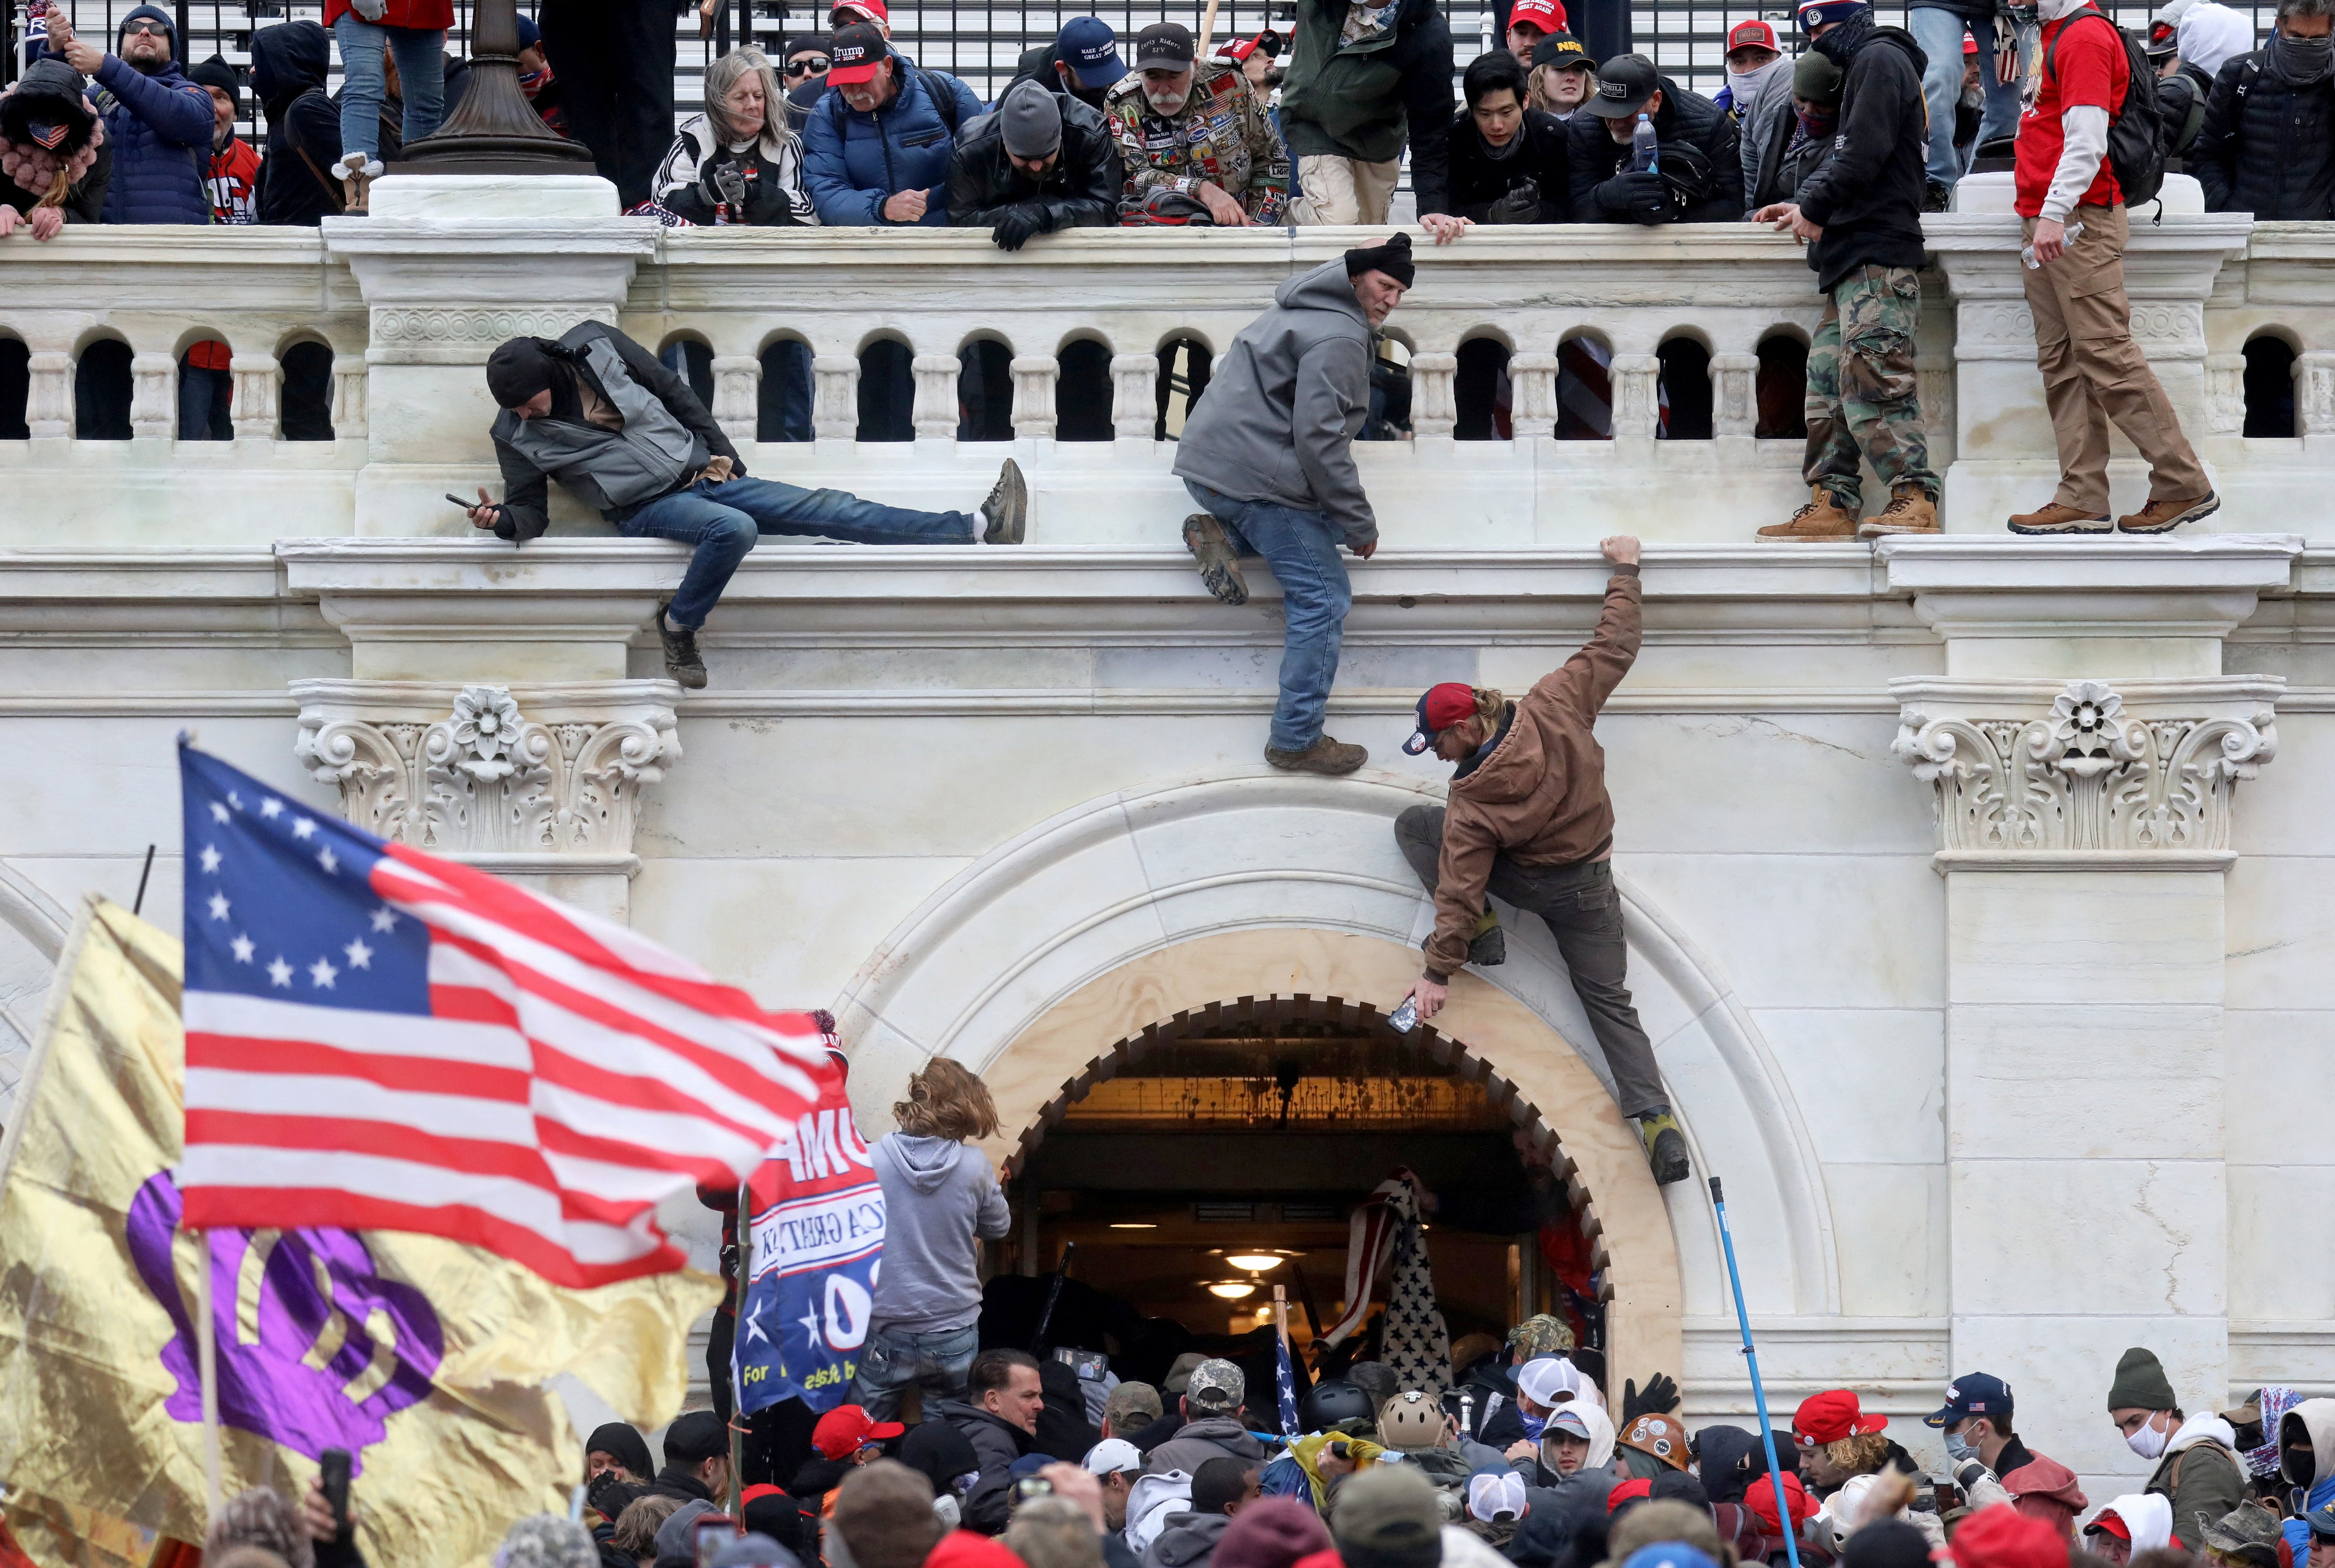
[1031, 121]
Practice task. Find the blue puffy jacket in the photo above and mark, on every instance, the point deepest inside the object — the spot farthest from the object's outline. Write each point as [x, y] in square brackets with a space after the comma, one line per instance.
[159, 129]
[852, 162]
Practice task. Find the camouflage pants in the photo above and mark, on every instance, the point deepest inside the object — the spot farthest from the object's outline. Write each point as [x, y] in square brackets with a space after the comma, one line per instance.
[1862, 394]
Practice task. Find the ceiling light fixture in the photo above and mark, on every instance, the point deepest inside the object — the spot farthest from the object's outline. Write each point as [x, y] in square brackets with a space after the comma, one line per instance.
[1133, 1225]
[1233, 1289]
[1253, 1261]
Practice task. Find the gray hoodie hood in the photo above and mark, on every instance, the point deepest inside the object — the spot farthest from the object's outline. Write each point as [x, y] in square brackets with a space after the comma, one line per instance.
[925, 1163]
[1189, 1539]
[1326, 287]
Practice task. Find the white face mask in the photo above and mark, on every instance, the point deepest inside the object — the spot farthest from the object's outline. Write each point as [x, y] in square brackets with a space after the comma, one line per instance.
[2148, 1442]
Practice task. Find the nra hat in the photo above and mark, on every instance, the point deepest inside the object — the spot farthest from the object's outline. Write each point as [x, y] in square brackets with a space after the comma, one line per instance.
[1973, 1394]
[848, 1428]
[1752, 33]
[1829, 1416]
[1624, 83]
[858, 51]
[1440, 708]
[1163, 46]
[1090, 49]
[1546, 15]
[1564, 52]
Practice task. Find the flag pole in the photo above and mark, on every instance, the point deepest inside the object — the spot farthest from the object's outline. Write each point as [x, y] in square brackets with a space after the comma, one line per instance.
[1788, 1526]
[737, 1498]
[206, 1364]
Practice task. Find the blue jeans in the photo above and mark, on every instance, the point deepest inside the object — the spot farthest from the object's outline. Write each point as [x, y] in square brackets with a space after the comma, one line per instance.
[421, 79]
[724, 520]
[1301, 548]
[1940, 34]
[892, 1358]
[204, 397]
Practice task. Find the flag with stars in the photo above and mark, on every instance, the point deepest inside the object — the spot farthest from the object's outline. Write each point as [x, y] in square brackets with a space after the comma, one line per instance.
[817, 1239]
[1285, 1384]
[380, 1039]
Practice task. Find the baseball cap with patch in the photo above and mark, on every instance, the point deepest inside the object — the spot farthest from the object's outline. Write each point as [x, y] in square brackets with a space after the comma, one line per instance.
[1564, 52]
[1440, 708]
[1163, 46]
[859, 51]
[1216, 1385]
[1752, 33]
[1973, 1394]
[1624, 83]
[1090, 49]
[1546, 15]
[1411, 1423]
[1829, 1416]
[1567, 1420]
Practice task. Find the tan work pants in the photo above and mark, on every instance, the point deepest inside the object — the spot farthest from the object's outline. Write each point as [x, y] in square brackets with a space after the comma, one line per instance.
[1344, 190]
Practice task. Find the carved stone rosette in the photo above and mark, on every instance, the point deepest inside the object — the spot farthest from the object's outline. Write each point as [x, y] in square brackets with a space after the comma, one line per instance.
[2078, 771]
[547, 773]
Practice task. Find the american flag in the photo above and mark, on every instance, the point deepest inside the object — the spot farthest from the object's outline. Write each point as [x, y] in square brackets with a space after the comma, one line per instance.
[1285, 1383]
[380, 1039]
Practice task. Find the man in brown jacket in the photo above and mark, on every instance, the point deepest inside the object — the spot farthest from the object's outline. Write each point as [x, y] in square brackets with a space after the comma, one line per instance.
[1529, 822]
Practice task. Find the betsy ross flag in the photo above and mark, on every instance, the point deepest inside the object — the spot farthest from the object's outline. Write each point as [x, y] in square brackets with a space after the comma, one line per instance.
[1285, 1384]
[380, 1039]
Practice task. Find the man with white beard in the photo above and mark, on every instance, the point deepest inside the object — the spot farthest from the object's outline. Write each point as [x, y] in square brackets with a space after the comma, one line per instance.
[1197, 127]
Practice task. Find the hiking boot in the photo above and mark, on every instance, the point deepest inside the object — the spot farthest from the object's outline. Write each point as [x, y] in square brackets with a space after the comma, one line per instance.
[1006, 513]
[2059, 519]
[1937, 197]
[1219, 562]
[1822, 517]
[2162, 517]
[1910, 511]
[681, 659]
[1665, 1146]
[1324, 755]
[1490, 949]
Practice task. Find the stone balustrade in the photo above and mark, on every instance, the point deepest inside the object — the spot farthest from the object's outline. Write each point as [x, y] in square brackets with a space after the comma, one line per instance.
[408, 302]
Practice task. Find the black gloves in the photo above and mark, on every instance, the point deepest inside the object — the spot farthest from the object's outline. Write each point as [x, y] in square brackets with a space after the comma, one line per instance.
[1660, 1398]
[1637, 196]
[1016, 229]
[609, 1494]
[1521, 205]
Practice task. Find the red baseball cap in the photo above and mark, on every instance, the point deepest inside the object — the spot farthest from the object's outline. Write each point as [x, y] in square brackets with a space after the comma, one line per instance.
[846, 1429]
[846, 11]
[2110, 1523]
[1760, 1496]
[1442, 707]
[856, 52]
[1628, 1492]
[1829, 1416]
[1751, 33]
[1548, 15]
[1970, 45]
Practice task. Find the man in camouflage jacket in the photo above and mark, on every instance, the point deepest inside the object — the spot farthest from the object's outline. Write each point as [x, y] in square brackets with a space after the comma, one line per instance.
[1201, 130]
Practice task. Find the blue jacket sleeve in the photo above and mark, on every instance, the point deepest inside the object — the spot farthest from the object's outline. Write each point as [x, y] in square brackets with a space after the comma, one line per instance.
[181, 114]
[838, 201]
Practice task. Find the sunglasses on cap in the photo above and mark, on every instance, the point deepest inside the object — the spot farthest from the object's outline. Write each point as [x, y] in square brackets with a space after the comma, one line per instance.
[816, 66]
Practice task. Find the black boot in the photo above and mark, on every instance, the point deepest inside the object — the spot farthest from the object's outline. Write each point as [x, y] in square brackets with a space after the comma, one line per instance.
[681, 658]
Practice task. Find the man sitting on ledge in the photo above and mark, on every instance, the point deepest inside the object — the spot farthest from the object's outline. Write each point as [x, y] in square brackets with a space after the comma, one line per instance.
[597, 412]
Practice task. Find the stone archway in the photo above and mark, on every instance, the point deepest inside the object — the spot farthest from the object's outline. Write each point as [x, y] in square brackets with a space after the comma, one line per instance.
[1524, 1066]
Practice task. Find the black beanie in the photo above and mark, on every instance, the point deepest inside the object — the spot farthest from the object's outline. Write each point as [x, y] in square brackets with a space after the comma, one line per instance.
[1393, 258]
[216, 72]
[518, 370]
[622, 1442]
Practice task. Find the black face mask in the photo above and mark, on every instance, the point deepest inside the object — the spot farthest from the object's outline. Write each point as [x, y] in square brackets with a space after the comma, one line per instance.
[2301, 61]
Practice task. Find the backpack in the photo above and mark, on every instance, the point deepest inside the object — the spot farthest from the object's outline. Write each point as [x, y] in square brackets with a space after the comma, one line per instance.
[2135, 136]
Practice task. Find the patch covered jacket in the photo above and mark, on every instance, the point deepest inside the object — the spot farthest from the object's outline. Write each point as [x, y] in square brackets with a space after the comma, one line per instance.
[1222, 135]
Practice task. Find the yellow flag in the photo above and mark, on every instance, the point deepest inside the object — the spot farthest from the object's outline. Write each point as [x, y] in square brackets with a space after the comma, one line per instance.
[426, 1359]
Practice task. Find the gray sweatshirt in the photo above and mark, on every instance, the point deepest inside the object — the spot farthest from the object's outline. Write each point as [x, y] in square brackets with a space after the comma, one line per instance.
[1284, 403]
[941, 1199]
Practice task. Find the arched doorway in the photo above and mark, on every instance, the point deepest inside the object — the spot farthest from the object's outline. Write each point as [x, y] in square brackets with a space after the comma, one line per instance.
[1214, 1156]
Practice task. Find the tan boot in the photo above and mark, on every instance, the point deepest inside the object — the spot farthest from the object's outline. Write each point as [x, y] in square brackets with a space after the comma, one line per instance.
[1821, 519]
[1324, 755]
[2162, 517]
[1910, 511]
[2060, 518]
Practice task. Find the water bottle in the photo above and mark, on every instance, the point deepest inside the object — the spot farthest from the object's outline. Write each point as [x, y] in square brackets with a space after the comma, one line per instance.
[2027, 251]
[1404, 1019]
[1643, 145]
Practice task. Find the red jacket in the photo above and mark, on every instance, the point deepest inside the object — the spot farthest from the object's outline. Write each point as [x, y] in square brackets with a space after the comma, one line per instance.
[430, 15]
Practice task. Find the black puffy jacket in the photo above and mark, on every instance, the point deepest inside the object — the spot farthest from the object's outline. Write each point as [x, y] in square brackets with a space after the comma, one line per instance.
[1700, 160]
[1868, 194]
[2267, 148]
[1479, 180]
[1080, 191]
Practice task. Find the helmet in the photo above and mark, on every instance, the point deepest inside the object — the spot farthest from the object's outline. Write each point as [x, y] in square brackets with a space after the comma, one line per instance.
[1327, 1404]
[1657, 1437]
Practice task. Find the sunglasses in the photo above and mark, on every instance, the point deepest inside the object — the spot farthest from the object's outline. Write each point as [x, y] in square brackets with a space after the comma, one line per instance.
[816, 66]
[141, 26]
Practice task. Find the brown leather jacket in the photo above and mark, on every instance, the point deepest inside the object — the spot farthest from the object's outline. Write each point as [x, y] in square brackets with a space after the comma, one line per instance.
[1540, 797]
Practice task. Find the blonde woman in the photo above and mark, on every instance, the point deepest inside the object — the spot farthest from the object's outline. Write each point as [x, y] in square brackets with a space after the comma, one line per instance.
[941, 1201]
[738, 162]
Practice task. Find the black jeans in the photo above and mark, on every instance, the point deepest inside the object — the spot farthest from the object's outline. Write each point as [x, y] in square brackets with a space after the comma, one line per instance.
[1581, 911]
[614, 60]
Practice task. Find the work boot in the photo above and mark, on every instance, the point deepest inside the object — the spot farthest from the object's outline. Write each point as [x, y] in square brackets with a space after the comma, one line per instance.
[681, 658]
[1219, 562]
[1006, 513]
[2060, 518]
[1821, 517]
[2162, 517]
[1324, 755]
[1910, 511]
[1937, 196]
[1665, 1145]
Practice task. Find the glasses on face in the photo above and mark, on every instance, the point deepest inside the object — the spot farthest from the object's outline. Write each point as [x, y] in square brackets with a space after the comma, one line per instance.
[816, 65]
[158, 29]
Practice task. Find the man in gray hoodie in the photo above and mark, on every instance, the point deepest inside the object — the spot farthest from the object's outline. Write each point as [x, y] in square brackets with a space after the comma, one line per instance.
[1221, 1488]
[1269, 454]
[941, 1201]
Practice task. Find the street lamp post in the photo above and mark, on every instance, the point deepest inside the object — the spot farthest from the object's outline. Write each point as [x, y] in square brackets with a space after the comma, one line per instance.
[495, 129]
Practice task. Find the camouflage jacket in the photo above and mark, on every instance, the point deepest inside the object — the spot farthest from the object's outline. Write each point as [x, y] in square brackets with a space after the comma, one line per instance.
[1222, 135]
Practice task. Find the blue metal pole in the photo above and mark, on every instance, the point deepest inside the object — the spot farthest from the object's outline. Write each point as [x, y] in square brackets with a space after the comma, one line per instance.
[1789, 1526]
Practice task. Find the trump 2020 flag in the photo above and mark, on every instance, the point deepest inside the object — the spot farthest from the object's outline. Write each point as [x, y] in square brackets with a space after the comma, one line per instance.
[817, 1241]
[379, 1038]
